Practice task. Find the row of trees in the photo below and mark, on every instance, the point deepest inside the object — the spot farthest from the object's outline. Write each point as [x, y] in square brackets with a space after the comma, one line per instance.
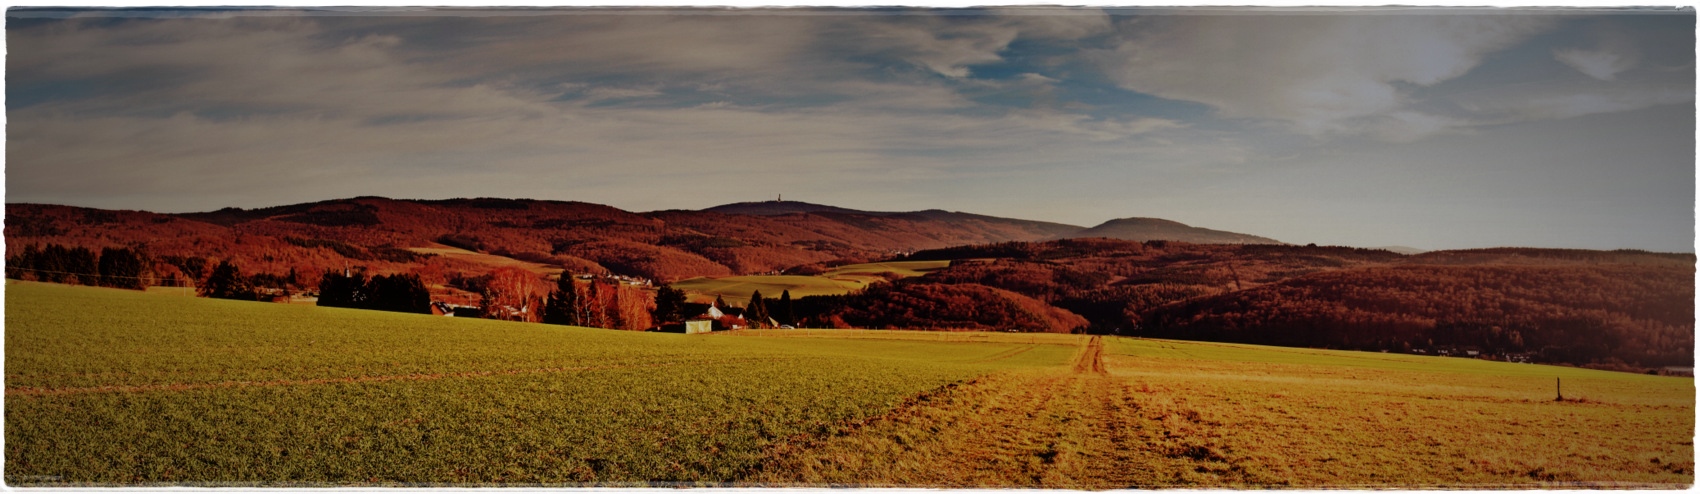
[515, 294]
[117, 267]
[132, 268]
[783, 310]
[395, 293]
[919, 304]
[1607, 315]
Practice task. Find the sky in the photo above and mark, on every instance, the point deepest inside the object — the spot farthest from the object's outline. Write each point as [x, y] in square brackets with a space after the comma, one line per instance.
[1425, 128]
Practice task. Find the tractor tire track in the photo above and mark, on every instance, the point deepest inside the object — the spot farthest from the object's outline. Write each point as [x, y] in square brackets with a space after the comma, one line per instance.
[1004, 354]
[1075, 426]
[1068, 427]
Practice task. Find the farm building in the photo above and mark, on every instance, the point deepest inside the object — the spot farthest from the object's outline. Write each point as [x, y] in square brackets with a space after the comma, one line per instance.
[695, 326]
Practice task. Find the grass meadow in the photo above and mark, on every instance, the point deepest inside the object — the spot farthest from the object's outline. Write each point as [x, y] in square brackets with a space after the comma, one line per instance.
[875, 271]
[837, 281]
[738, 289]
[111, 387]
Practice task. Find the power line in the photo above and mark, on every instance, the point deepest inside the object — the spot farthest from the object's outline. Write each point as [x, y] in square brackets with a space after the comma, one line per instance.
[187, 283]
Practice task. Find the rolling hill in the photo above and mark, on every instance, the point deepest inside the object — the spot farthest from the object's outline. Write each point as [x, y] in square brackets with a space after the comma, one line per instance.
[1142, 229]
[1625, 310]
[1241, 288]
[391, 235]
[775, 208]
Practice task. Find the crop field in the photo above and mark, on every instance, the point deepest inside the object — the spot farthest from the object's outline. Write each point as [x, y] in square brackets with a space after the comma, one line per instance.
[110, 387]
[838, 281]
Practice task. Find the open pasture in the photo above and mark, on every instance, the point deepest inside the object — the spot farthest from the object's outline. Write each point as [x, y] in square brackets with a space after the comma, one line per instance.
[491, 260]
[874, 271]
[838, 281]
[737, 289]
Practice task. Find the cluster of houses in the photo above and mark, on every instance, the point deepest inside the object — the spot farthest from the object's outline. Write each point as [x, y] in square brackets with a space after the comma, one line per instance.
[713, 317]
[1521, 357]
[619, 279]
[440, 308]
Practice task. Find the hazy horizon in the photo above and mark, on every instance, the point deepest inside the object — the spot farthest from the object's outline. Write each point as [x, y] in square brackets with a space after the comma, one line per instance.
[1427, 128]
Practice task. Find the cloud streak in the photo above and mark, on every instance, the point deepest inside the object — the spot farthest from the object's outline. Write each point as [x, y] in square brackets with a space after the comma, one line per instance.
[880, 109]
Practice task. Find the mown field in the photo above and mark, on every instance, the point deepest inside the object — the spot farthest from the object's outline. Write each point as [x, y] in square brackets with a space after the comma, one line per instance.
[837, 281]
[111, 387]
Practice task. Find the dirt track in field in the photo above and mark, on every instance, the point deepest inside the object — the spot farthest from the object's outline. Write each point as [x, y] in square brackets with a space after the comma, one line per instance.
[1071, 427]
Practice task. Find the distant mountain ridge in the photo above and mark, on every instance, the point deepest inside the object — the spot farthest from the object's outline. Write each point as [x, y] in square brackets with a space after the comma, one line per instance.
[1143, 229]
[775, 208]
[779, 208]
[400, 235]
[1136, 229]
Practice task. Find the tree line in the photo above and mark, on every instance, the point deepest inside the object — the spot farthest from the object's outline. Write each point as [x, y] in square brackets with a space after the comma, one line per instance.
[394, 293]
[116, 267]
[1607, 315]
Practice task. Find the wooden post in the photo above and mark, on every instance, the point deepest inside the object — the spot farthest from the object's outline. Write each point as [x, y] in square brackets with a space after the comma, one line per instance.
[1558, 384]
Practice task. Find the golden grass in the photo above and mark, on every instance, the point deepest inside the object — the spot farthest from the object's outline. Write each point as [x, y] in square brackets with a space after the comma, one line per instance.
[1182, 414]
[890, 334]
[873, 272]
[491, 260]
[838, 281]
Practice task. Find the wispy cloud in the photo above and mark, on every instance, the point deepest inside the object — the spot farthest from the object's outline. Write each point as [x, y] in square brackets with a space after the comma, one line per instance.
[1602, 65]
[647, 110]
[1316, 73]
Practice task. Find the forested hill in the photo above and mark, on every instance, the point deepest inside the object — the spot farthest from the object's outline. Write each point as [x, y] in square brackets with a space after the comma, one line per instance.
[1611, 309]
[1142, 229]
[403, 235]
[1624, 309]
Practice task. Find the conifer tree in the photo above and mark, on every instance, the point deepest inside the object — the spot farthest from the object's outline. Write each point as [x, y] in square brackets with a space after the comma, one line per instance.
[784, 313]
[756, 311]
[226, 281]
[563, 304]
[669, 305]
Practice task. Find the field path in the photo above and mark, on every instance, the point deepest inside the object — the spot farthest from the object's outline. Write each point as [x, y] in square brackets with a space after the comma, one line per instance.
[1072, 427]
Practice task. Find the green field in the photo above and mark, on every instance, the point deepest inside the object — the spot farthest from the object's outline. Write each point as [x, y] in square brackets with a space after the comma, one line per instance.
[116, 387]
[738, 289]
[111, 387]
[871, 272]
[838, 281]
